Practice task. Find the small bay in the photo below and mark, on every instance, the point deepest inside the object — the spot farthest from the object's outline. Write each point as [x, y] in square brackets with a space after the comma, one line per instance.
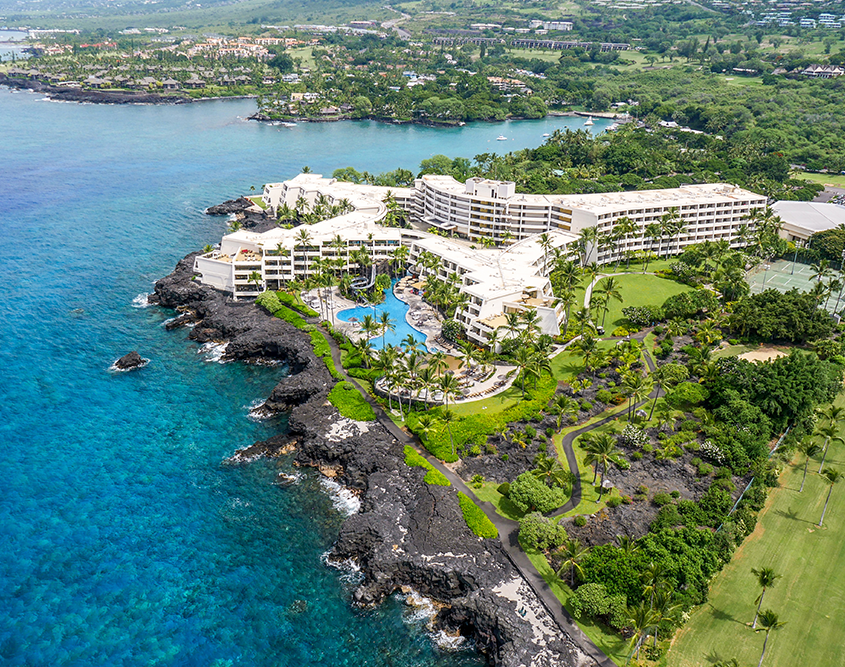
[127, 538]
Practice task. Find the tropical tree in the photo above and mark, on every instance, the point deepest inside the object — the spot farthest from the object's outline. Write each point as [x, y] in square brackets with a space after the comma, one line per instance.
[546, 243]
[808, 448]
[302, 239]
[654, 580]
[830, 433]
[563, 406]
[608, 288]
[386, 323]
[571, 553]
[637, 388]
[666, 611]
[766, 578]
[831, 476]
[449, 386]
[255, 277]
[549, 469]
[768, 621]
[601, 449]
[447, 417]
[641, 620]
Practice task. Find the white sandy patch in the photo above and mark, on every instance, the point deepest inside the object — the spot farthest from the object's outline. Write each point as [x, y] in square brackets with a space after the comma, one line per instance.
[763, 354]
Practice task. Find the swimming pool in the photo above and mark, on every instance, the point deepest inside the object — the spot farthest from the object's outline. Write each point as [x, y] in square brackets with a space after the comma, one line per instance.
[397, 310]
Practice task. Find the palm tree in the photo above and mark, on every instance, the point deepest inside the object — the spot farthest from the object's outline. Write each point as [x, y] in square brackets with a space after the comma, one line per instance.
[447, 417]
[255, 277]
[637, 387]
[642, 620]
[768, 621]
[571, 554]
[426, 423]
[546, 243]
[654, 580]
[564, 406]
[665, 611]
[623, 227]
[551, 471]
[448, 386]
[809, 449]
[364, 348]
[302, 238]
[628, 544]
[831, 476]
[829, 431]
[568, 298]
[523, 358]
[766, 578]
[608, 288]
[387, 324]
[601, 449]
[821, 270]
[438, 362]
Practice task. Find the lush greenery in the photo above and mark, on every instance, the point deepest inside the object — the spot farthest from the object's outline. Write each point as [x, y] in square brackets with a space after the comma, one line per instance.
[433, 475]
[774, 316]
[349, 402]
[476, 519]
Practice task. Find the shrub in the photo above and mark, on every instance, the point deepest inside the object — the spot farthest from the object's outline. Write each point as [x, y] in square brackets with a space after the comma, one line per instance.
[661, 499]
[648, 448]
[627, 500]
[614, 501]
[704, 469]
[550, 432]
[634, 436]
[529, 493]
[686, 305]
[643, 316]
[604, 396]
[452, 330]
[269, 302]
[580, 521]
[433, 476]
[505, 458]
[292, 317]
[296, 303]
[620, 331]
[675, 494]
[504, 489]
[349, 402]
[689, 425]
[687, 393]
[530, 432]
[476, 519]
[636, 456]
[643, 489]
[593, 600]
[539, 532]
[475, 450]
[586, 406]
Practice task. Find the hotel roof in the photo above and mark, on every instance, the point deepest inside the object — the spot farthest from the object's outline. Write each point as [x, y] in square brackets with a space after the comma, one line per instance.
[811, 216]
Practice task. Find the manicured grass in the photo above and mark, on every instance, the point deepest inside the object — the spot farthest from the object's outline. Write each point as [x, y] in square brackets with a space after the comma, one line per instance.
[476, 519]
[733, 351]
[306, 54]
[349, 402]
[590, 503]
[611, 643]
[836, 180]
[488, 493]
[489, 406]
[258, 201]
[639, 289]
[414, 459]
[810, 597]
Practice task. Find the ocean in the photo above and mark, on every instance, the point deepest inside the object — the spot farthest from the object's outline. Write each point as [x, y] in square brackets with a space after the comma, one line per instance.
[127, 537]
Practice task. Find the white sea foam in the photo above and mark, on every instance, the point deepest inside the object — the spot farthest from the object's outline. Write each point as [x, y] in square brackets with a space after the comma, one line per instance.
[351, 571]
[343, 499]
[213, 351]
[420, 608]
[141, 301]
[447, 642]
[254, 413]
[292, 478]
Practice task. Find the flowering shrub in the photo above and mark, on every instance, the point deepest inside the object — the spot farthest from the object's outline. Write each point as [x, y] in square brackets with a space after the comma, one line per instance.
[709, 449]
[634, 436]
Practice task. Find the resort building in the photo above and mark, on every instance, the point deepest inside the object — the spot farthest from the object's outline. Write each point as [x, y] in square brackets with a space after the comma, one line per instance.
[467, 218]
[482, 208]
[802, 219]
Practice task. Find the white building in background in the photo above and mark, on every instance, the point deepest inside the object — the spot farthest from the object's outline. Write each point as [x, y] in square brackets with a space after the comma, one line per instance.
[482, 208]
[496, 281]
[802, 219]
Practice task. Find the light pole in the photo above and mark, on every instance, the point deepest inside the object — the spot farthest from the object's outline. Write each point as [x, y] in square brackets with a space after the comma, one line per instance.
[799, 244]
[765, 274]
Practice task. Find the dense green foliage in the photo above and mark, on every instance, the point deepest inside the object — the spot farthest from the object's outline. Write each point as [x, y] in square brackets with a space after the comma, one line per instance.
[433, 475]
[540, 532]
[528, 493]
[349, 402]
[686, 305]
[476, 519]
[792, 316]
[292, 301]
[829, 244]
[593, 600]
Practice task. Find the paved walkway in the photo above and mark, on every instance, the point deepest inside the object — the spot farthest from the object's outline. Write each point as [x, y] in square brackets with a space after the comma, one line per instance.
[509, 529]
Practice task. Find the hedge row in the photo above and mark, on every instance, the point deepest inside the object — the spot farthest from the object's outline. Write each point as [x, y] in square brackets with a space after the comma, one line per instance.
[415, 460]
[296, 303]
[349, 402]
[476, 519]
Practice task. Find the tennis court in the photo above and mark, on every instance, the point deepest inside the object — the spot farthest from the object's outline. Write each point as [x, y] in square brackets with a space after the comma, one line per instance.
[783, 275]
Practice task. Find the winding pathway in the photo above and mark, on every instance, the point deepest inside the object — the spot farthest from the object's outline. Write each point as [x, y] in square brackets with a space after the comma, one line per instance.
[508, 528]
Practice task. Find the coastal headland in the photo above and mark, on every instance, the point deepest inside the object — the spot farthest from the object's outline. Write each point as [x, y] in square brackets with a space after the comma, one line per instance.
[408, 533]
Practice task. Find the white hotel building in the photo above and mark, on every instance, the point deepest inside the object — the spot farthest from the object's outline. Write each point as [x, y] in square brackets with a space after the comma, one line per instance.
[497, 281]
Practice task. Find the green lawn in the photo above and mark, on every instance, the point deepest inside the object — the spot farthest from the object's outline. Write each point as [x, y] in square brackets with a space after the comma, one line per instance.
[639, 289]
[258, 201]
[836, 180]
[610, 642]
[488, 493]
[489, 406]
[733, 351]
[810, 597]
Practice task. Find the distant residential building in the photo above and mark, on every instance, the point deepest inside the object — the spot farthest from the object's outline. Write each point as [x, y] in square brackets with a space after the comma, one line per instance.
[824, 71]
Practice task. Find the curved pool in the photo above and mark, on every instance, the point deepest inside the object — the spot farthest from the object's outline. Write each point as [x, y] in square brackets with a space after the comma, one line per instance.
[397, 310]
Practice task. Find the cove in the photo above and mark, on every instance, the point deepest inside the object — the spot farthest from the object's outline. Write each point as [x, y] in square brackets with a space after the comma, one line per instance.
[128, 539]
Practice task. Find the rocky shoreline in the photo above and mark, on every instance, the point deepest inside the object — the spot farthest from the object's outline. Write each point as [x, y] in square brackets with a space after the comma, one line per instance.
[408, 533]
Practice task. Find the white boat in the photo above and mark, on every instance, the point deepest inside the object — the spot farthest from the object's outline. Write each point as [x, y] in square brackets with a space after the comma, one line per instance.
[546, 134]
[501, 137]
[289, 124]
[589, 120]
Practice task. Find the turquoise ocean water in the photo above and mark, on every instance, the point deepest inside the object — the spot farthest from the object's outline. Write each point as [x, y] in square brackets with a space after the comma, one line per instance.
[125, 538]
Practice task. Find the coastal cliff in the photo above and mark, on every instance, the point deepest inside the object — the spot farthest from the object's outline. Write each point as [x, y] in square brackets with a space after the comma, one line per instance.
[407, 533]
